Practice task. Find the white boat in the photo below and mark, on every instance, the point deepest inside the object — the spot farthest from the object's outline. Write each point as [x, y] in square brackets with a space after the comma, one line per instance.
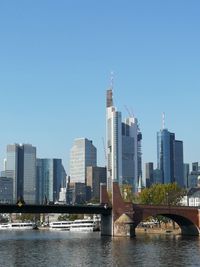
[18, 226]
[60, 225]
[85, 225]
[4, 226]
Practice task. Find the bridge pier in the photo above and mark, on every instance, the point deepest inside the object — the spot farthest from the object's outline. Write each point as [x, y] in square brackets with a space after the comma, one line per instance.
[106, 225]
[106, 220]
[120, 222]
[123, 226]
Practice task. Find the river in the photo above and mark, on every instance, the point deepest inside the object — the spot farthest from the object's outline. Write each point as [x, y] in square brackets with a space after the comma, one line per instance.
[60, 248]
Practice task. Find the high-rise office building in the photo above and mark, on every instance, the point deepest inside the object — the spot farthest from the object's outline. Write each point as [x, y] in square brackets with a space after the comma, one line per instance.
[124, 157]
[83, 154]
[149, 174]
[6, 190]
[165, 159]
[170, 157]
[186, 172]
[178, 163]
[21, 167]
[95, 176]
[50, 178]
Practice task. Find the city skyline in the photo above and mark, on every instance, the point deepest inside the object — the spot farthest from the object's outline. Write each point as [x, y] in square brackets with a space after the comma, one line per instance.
[55, 70]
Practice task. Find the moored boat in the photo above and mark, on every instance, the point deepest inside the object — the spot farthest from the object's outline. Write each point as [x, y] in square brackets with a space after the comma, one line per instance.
[60, 225]
[18, 226]
[85, 225]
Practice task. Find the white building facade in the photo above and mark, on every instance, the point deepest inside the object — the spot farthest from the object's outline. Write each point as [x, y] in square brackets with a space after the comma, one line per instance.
[124, 157]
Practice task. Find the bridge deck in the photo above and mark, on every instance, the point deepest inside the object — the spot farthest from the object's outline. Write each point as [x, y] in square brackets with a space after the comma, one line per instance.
[73, 209]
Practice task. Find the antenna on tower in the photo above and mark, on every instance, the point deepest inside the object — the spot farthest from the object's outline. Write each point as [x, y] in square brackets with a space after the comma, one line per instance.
[163, 120]
[111, 79]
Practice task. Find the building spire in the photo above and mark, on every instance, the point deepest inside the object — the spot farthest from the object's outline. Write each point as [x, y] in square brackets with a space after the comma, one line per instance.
[111, 80]
[163, 120]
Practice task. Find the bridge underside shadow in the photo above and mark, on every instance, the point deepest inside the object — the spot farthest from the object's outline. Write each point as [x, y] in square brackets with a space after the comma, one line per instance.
[186, 226]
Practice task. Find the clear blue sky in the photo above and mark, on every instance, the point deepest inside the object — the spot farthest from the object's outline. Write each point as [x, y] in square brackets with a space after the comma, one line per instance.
[55, 64]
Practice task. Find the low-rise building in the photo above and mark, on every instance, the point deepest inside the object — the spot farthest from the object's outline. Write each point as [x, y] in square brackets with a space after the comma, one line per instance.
[192, 198]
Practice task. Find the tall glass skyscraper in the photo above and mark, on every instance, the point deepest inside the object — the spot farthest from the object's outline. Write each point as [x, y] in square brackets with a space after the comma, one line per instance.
[124, 157]
[149, 174]
[165, 152]
[21, 167]
[82, 155]
[170, 157]
[50, 177]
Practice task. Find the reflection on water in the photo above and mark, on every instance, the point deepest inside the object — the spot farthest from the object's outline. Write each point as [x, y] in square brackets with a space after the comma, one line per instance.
[46, 248]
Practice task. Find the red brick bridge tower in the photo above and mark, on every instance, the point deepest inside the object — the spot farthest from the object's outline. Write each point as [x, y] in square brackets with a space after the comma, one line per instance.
[126, 216]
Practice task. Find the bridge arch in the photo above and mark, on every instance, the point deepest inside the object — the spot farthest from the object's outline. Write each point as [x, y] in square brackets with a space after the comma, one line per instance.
[186, 225]
[186, 217]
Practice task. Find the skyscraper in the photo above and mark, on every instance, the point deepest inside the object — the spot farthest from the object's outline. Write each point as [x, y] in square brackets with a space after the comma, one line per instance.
[178, 163]
[149, 174]
[95, 176]
[170, 157]
[165, 152]
[21, 167]
[124, 157]
[83, 154]
[114, 142]
[50, 177]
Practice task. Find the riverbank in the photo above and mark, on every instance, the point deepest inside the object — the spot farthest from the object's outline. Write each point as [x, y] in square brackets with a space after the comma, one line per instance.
[158, 230]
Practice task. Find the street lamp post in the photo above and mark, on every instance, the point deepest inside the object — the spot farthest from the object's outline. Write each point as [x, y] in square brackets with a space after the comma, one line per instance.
[167, 198]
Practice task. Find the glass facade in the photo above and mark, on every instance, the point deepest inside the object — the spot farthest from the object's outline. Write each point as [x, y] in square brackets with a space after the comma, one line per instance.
[170, 157]
[29, 170]
[21, 162]
[83, 154]
[178, 166]
[149, 174]
[165, 155]
[95, 176]
[50, 176]
[6, 190]
[12, 166]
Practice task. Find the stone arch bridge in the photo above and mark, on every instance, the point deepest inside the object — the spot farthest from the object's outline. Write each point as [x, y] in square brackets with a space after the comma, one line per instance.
[126, 215]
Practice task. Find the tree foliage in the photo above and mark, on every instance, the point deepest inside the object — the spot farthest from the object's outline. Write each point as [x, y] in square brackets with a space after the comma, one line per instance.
[70, 217]
[162, 194]
[24, 217]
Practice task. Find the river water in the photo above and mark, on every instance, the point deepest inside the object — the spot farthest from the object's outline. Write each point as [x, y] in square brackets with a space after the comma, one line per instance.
[60, 248]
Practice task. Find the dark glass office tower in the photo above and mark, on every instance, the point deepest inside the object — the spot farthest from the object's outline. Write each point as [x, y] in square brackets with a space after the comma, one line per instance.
[21, 163]
[170, 157]
[50, 176]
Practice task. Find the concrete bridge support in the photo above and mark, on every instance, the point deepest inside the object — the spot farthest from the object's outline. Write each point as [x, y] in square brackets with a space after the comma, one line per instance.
[106, 225]
[106, 220]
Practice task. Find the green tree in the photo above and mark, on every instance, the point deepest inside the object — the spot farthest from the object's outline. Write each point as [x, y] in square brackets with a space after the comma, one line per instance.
[28, 217]
[70, 217]
[162, 194]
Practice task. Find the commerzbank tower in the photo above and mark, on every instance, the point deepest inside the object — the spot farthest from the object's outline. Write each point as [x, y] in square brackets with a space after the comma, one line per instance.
[123, 147]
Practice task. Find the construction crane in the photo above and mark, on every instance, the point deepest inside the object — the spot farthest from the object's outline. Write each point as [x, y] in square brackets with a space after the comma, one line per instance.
[129, 113]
